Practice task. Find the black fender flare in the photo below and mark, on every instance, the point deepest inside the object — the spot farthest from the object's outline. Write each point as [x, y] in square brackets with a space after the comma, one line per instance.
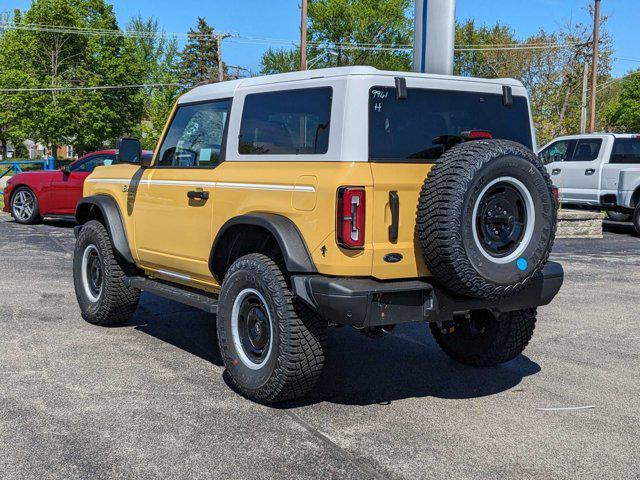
[112, 219]
[294, 249]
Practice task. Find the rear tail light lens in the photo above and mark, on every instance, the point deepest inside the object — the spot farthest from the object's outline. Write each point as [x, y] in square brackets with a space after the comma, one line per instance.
[350, 213]
[556, 196]
[478, 134]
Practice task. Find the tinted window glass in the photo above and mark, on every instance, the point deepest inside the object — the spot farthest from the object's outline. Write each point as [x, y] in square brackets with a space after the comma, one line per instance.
[195, 136]
[88, 164]
[626, 150]
[586, 150]
[401, 130]
[558, 151]
[292, 122]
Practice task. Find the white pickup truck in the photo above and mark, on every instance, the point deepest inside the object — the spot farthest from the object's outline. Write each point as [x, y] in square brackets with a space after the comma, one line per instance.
[599, 171]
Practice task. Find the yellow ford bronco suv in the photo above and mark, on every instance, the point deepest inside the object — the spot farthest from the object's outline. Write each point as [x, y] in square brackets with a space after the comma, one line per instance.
[350, 196]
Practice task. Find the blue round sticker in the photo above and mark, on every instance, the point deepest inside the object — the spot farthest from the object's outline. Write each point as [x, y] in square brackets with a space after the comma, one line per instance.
[522, 264]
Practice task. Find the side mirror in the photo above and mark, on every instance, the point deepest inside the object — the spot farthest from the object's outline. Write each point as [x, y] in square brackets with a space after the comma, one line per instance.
[130, 151]
[65, 169]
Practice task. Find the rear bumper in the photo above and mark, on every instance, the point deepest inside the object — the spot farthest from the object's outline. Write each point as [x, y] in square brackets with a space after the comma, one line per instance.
[363, 302]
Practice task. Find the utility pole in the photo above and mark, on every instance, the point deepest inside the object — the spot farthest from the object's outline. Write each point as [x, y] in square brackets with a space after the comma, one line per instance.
[220, 67]
[594, 65]
[303, 36]
[583, 103]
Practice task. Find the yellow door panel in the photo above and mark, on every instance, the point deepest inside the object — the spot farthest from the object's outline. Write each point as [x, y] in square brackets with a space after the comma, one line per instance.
[406, 179]
[173, 232]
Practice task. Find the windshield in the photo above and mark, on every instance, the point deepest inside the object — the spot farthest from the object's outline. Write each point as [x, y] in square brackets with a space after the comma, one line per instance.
[405, 130]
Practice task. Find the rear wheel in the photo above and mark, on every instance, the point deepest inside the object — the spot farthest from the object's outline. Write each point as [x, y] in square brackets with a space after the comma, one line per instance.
[636, 219]
[273, 346]
[481, 339]
[618, 217]
[24, 206]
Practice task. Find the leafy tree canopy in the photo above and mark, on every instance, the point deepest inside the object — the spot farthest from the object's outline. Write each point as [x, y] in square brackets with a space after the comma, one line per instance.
[623, 114]
[88, 119]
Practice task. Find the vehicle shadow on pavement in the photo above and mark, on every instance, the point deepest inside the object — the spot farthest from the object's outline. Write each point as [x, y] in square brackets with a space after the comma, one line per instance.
[405, 364]
[359, 370]
[60, 222]
[187, 328]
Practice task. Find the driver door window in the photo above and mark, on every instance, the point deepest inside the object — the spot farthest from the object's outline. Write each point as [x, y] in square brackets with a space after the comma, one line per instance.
[196, 135]
[558, 151]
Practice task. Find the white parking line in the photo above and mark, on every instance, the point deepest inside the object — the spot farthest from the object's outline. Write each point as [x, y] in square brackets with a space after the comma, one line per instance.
[556, 409]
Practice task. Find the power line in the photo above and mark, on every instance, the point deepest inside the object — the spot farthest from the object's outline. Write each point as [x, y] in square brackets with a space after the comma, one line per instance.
[615, 80]
[35, 27]
[235, 38]
[626, 59]
[99, 87]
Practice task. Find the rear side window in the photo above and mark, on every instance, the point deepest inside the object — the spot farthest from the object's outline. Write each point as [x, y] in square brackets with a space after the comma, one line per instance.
[404, 130]
[587, 150]
[626, 150]
[195, 136]
[291, 122]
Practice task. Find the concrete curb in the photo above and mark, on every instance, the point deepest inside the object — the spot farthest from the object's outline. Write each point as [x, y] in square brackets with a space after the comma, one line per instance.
[579, 224]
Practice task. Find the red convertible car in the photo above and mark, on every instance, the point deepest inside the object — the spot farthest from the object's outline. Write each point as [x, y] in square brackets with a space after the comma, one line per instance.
[30, 196]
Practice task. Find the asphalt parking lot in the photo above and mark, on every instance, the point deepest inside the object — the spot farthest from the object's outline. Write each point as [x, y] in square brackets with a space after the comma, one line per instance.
[150, 400]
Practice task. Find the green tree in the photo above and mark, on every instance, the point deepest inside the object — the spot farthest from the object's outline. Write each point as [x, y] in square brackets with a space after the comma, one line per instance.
[623, 114]
[15, 107]
[478, 63]
[59, 61]
[280, 61]
[15, 114]
[199, 63]
[159, 58]
[336, 26]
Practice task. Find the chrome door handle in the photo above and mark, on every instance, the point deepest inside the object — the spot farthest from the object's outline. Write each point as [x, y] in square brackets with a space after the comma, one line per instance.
[556, 171]
[590, 171]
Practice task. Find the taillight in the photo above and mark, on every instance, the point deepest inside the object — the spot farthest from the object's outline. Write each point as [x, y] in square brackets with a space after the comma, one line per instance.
[478, 135]
[350, 214]
[556, 196]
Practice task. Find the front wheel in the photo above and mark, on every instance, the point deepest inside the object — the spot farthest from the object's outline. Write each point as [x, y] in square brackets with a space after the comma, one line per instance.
[481, 339]
[273, 346]
[98, 277]
[24, 206]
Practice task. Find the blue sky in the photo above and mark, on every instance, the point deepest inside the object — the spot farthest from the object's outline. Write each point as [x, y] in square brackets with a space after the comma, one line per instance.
[279, 19]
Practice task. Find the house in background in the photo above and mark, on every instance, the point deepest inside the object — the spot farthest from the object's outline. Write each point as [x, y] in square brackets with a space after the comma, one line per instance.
[36, 150]
[65, 152]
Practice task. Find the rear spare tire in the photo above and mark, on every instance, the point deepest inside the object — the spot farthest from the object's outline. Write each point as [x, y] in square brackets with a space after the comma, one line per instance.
[486, 218]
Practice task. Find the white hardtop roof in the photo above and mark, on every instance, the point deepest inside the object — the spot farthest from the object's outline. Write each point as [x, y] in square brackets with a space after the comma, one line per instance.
[228, 89]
